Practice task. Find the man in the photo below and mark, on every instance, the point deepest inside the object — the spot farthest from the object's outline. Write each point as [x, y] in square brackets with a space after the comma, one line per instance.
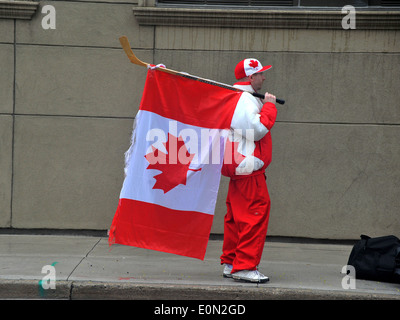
[248, 153]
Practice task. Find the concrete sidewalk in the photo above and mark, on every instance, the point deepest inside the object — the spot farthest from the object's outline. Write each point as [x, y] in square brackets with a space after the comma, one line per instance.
[86, 268]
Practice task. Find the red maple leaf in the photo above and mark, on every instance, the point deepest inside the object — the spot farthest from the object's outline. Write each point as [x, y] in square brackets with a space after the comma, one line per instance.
[173, 165]
[253, 63]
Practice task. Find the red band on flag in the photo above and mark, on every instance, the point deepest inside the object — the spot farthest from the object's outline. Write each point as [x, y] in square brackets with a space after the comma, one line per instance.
[193, 102]
[154, 227]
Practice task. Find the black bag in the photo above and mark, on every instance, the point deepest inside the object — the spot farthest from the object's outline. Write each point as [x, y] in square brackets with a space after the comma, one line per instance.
[376, 259]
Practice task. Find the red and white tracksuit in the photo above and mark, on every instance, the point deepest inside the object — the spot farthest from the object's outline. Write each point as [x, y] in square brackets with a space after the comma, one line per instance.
[247, 155]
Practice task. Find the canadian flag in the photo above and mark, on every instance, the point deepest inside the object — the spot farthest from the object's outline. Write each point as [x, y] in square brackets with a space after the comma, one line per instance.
[173, 167]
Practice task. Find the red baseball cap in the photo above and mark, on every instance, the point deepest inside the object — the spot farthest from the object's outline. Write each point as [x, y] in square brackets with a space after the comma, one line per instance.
[247, 67]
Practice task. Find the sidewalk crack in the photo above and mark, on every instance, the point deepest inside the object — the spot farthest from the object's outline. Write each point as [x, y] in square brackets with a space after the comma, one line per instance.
[83, 259]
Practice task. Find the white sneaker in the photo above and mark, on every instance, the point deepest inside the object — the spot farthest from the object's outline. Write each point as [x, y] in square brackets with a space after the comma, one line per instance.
[227, 271]
[250, 276]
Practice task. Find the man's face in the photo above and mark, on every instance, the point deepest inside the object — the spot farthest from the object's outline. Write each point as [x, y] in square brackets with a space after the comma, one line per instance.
[257, 80]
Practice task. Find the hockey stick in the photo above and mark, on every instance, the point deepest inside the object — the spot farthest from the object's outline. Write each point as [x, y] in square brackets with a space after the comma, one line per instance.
[127, 48]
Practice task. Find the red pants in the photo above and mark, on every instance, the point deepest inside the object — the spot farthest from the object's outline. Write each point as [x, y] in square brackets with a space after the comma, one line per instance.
[246, 222]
